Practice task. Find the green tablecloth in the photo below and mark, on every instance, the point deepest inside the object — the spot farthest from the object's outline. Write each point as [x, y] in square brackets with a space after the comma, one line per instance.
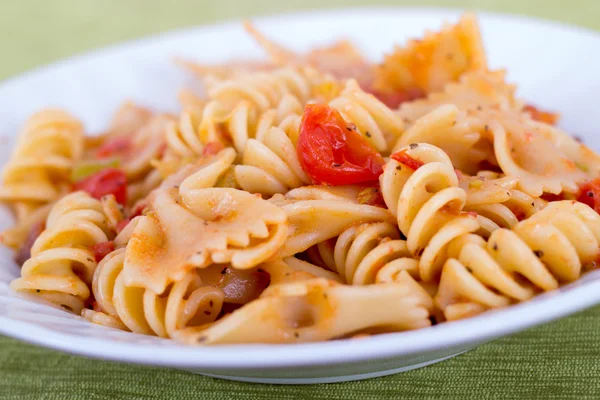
[558, 360]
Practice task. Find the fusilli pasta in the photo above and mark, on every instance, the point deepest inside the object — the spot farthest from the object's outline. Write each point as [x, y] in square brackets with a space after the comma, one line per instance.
[62, 263]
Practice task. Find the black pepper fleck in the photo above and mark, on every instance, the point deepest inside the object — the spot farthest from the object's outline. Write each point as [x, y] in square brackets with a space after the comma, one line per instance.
[296, 335]
[224, 271]
[367, 134]
[590, 194]
[337, 165]
[495, 246]
[38, 290]
[207, 312]
[413, 145]
[398, 168]
[538, 253]
[211, 303]
[201, 339]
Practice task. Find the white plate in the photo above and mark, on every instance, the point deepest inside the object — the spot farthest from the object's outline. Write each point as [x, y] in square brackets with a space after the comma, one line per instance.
[555, 66]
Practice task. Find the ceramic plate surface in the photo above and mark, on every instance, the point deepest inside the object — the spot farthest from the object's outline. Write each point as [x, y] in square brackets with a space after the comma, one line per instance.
[555, 66]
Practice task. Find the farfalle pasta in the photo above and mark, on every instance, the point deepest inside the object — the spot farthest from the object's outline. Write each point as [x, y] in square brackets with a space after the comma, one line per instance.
[306, 197]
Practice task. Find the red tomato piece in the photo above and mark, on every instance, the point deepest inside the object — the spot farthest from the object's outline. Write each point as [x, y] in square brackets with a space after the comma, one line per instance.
[541, 115]
[331, 152]
[107, 181]
[407, 160]
[113, 147]
[100, 250]
[589, 193]
[212, 148]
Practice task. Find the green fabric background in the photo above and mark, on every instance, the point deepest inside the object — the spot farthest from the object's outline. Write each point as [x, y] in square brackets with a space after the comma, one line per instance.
[555, 361]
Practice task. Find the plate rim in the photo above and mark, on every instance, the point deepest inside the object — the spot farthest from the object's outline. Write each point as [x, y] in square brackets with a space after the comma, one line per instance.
[262, 356]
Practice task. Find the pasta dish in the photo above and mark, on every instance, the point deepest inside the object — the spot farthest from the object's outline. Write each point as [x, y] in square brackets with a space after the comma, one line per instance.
[306, 197]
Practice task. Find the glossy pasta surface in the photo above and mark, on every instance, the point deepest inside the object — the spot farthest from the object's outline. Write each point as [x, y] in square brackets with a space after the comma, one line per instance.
[307, 197]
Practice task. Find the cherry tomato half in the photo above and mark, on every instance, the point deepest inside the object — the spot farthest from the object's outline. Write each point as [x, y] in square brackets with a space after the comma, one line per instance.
[107, 181]
[332, 152]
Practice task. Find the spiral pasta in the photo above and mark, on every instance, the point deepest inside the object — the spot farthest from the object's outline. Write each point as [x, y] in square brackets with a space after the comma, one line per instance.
[265, 90]
[427, 203]
[38, 171]
[270, 164]
[552, 246]
[368, 253]
[185, 138]
[62, 263]
[266, 143]
[496, 201]
[373, 119]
